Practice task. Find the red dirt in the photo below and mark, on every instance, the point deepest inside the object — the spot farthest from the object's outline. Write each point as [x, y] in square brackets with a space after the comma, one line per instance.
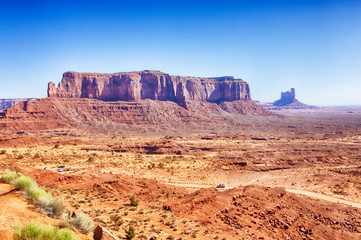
[65, 113]
[15, 209]
[271, 213]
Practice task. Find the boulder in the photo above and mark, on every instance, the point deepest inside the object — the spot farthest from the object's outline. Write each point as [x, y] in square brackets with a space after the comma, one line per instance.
[101, 233]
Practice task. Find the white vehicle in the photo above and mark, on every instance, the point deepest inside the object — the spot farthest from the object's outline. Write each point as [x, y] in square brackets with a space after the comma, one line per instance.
[221, 185]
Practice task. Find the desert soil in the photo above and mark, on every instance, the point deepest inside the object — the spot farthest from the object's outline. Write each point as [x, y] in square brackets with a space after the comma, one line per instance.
[289, 176]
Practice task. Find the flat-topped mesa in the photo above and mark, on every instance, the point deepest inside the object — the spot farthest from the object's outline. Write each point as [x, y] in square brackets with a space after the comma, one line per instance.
[155, 85]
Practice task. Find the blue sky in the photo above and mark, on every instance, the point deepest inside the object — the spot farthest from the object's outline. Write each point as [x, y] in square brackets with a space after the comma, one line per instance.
[313, 46]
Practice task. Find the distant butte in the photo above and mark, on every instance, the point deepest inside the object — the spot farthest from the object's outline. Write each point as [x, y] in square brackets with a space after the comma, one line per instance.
[287, 98]
[132, 98]
[287, 101]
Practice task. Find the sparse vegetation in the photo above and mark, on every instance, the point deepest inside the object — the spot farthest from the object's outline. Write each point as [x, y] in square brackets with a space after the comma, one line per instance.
[130, 233]
[35, 231]
[56, 146]
[24, 183]
[10, 176]
[51, 205]
[91, 160]
[3, 151]
[80, 222]
[105, 194]
[44, 200]
[34, 193]
[133, 201]
[117, 220]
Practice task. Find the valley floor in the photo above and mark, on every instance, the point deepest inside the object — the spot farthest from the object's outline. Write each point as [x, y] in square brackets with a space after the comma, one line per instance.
[286, 177]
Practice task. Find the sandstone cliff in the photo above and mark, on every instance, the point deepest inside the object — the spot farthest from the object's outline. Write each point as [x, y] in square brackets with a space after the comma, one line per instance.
[154, 85]
[6, 103]
[114, 102]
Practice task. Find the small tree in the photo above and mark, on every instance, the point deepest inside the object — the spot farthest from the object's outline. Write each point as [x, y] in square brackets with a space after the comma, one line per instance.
[130, 233]
[133, 201]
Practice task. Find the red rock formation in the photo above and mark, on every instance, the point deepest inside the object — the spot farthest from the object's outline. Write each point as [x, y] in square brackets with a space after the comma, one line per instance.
[59, 113]
[287, 98]
[135, 98]
[154, 85]
[6, 103]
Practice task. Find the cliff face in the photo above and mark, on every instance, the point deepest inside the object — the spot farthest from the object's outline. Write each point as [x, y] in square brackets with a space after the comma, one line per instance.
[154, 85]
[105, 102]
[6, 103]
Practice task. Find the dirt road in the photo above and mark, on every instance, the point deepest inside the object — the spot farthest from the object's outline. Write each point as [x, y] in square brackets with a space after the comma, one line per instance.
[324, 197]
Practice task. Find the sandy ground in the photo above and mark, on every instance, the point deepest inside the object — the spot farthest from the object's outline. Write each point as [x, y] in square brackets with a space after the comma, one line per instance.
[14, 209]
[323, 197]
[313, 160]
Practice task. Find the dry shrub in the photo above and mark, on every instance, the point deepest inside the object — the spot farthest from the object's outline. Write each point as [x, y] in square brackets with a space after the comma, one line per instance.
[80, 222]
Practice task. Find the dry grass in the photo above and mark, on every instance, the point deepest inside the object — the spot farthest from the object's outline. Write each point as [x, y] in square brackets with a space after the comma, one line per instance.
[35, 231]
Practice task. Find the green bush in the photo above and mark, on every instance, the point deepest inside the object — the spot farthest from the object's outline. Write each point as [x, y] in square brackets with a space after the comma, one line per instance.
[133, 201]
[116, 219]
[10, 176]
[80, 222]
[130, 233]
[34, 192]
[35, 231]
[24, 183]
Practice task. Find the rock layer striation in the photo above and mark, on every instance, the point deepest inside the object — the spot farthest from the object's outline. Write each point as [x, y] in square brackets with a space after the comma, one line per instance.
[6, 103]
[114, 102]
[154, 85]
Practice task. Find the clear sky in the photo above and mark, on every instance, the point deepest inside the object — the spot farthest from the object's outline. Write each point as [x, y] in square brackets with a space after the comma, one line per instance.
[311, 45]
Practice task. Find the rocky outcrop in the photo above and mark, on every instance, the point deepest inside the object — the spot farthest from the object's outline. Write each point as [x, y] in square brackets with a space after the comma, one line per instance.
[154, 85]
[6, 103]
[288, 101]
[287, 97]
[59, 113]
[115, 102]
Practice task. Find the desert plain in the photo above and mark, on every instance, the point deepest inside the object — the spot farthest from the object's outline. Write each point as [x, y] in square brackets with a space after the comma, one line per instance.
[295, 174]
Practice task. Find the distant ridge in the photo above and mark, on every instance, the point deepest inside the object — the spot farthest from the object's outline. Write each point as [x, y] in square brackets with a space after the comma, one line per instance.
[8, 102]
